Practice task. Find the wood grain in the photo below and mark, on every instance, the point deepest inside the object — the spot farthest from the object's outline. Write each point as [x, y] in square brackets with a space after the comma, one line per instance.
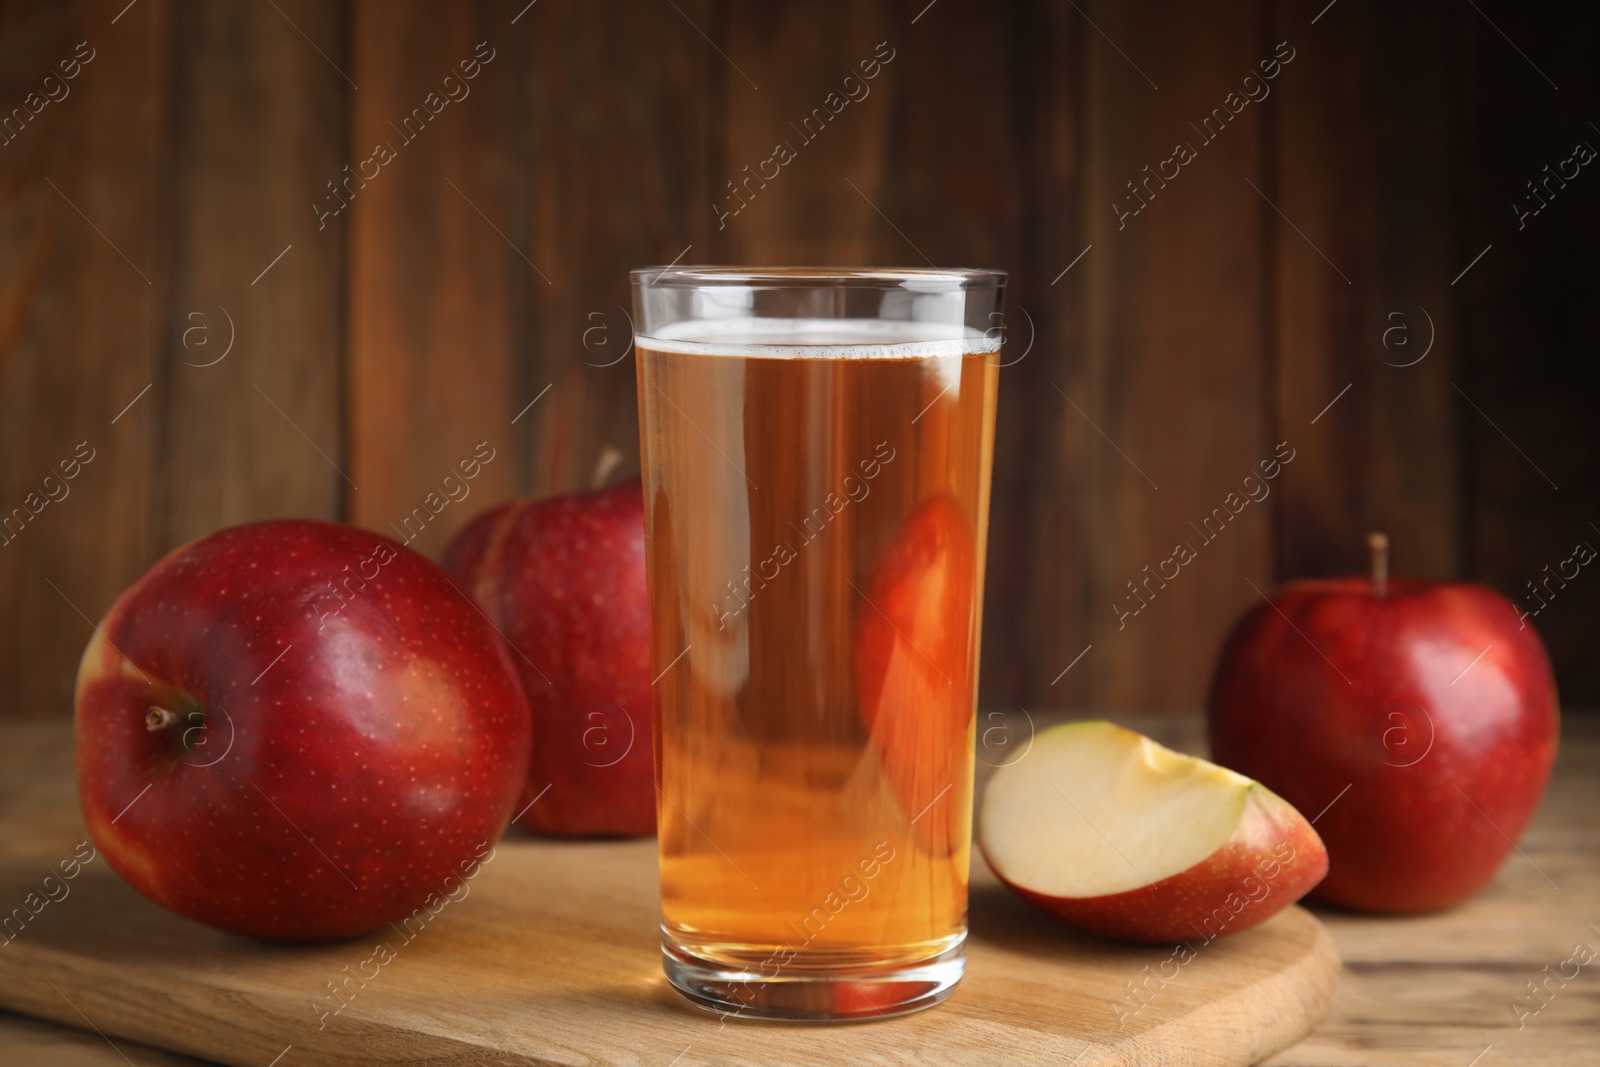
[789, 59]
[438, 264]
[1044, 467]
[1430, 991]
[83, 289]
[252, 353]
[392, 338]
[1360, 301]
[552, 956]
[28, 1042]
[1171, 367]
[618, 119]
[1527, 387]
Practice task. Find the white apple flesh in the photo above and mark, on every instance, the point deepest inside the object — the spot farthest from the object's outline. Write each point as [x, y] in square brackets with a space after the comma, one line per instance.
[1121, 837]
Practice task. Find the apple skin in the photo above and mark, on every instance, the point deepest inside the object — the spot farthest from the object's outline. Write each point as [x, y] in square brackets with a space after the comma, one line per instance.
[914, 650]
[327, 792]
[1438, 763]
[1272, 849]
[564, 580]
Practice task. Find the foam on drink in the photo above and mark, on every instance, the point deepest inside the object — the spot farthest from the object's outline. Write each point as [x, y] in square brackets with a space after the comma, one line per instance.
[756, 338]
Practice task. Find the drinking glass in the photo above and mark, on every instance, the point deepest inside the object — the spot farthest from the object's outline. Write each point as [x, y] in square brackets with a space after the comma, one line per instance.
[816, 450]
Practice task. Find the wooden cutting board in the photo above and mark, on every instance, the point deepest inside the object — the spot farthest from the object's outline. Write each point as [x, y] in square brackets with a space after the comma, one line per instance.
[552, 958]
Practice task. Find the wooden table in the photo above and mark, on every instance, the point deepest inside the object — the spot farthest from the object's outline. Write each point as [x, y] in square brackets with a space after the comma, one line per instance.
[1438, 990]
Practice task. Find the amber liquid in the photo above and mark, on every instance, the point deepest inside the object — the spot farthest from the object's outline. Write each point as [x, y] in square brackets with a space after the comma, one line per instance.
[815, 538]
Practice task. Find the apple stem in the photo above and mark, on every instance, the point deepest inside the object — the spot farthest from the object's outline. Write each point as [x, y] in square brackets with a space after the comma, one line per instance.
[610, 457]
[158, 719]
[1378, 542]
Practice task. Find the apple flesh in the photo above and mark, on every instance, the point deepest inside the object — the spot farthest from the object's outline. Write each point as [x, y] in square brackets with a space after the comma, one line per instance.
[564, 580]
[296, 731]
[916, 630]
[1420, 721]
[1116, 835]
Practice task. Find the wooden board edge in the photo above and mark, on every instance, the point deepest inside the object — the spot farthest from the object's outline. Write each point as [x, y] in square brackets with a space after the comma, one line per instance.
[1303, 995]
[167, 1021]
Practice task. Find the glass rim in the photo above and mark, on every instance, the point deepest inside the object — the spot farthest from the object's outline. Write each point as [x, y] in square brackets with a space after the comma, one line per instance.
[697, 276]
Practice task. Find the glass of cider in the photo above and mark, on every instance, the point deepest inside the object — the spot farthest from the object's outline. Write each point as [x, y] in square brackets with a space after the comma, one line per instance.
[816, 449]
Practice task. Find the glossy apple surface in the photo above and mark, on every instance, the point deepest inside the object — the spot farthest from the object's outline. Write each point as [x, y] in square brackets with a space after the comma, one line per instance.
[1417, 727]
[915, 645]
[564, 581]
[1116, 835]
[296, 731]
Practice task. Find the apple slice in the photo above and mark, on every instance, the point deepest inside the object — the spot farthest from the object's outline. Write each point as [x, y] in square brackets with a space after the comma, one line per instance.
[1114, 834]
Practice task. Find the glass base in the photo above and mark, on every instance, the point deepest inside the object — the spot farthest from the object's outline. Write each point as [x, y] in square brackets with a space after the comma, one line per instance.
[842, 995]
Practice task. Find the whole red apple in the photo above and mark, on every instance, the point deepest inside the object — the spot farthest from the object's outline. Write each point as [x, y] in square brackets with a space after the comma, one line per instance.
[915, 647]
[297, 731]
[563, 579]
[1414, 721]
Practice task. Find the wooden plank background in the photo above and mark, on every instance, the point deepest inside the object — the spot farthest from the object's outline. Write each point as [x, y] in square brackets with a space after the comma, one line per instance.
[175, 303]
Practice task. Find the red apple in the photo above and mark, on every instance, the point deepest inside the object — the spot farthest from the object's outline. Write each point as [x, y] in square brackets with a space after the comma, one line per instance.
[916, 631]
[296, 731]
[1114, 834]
[563, 579]
[1416, 721]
